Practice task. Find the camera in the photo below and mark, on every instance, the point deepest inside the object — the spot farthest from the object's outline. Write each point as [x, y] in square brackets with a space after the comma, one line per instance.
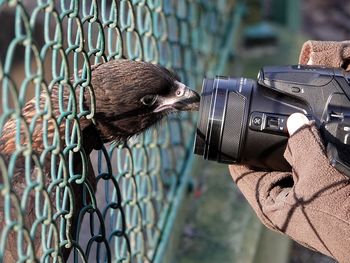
[244, 121]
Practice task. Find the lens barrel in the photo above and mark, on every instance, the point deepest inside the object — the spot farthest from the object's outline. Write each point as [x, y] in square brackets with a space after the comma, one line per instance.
[223, 117]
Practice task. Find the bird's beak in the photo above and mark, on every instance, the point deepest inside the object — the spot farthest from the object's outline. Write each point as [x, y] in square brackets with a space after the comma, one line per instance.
[184, 99]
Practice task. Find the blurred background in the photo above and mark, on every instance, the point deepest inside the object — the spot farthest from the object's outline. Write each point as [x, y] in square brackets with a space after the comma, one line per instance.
[220, 227]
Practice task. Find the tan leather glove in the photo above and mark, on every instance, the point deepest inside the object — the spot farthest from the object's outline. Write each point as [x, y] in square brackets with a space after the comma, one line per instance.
[312, 203]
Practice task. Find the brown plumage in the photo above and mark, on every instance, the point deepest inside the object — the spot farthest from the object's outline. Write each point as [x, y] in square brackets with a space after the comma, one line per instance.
[130, 97]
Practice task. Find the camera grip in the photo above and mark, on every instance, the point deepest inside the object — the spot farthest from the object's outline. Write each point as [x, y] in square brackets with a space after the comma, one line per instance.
[336, 161]
[336, 135]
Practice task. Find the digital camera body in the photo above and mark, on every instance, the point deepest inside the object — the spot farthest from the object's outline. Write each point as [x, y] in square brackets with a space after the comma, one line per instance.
[244, 121]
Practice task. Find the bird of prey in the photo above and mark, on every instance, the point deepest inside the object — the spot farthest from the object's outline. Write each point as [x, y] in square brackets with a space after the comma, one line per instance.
[129, 98]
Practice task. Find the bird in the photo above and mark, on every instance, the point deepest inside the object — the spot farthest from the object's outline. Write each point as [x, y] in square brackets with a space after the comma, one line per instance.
[129, 98]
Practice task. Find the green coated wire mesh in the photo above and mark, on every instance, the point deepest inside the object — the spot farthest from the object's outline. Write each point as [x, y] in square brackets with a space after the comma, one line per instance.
[47, 45]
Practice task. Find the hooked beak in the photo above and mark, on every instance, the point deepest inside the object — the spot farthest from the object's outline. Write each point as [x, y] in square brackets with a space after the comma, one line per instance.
[184, 99]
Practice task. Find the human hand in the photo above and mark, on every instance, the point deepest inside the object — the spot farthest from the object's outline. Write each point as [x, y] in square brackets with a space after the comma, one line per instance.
[310, 203]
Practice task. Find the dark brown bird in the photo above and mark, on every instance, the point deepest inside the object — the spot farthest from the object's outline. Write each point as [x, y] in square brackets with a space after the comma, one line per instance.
[130, 97]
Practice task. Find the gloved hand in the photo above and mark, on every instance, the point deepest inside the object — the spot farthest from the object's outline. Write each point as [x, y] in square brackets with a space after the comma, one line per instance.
[311, 204]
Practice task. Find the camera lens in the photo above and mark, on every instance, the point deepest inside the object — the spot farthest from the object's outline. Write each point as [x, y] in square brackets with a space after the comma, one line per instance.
[223, 117]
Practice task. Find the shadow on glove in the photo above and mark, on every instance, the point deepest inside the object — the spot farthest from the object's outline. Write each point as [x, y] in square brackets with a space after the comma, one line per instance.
[311, 204]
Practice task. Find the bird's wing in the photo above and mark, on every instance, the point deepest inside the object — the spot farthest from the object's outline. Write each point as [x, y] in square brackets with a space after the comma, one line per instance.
[39, 205]
[25, 211]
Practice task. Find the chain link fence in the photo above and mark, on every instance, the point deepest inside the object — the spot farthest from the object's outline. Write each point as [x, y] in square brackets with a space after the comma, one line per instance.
[47, 49]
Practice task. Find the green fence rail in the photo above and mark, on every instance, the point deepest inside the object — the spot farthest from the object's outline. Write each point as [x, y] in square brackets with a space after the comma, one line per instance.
[45, 45]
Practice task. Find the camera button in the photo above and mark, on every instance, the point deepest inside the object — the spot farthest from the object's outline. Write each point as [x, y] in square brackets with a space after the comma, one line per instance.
[257, 121]
[295, 89]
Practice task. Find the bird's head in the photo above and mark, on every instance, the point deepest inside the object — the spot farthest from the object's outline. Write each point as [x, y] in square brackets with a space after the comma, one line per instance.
[132, 96]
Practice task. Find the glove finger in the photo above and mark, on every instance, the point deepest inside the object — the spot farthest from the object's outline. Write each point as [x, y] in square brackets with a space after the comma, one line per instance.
[261, 189]
[238, 171]
[303, 145]
[312, 172]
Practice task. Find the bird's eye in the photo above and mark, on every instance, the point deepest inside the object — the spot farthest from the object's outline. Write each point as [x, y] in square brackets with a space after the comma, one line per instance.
[149, 100]
[180, 92]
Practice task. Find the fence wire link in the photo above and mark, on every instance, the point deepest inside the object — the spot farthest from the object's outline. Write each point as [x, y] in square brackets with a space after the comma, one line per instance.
[47, 45]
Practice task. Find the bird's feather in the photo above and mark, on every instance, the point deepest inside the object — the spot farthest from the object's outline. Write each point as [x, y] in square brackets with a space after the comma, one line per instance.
[45, 130]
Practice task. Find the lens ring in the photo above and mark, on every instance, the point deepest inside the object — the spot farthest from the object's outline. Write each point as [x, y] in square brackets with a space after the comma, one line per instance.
[206, 95]
[223, 118]
[216, 119]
